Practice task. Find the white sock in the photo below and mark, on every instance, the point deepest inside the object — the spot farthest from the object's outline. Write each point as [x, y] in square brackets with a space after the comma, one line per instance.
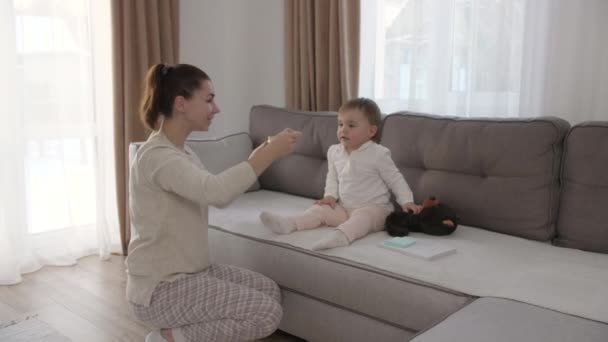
[178, 336]
[155, 336]
[334, 239]
[277, 224]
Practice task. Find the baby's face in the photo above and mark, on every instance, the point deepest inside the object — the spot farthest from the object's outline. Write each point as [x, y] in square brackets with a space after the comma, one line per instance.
[354, 129]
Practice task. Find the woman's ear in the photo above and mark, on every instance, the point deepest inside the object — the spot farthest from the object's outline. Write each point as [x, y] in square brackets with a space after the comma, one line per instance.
[179, 104]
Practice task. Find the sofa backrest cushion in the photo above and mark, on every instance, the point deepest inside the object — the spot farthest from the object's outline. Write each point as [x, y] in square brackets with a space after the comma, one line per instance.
[583, 215]
[497, 174]
[302, 172]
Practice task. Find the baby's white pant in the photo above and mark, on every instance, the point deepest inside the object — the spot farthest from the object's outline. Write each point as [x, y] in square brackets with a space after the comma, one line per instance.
[354, 223]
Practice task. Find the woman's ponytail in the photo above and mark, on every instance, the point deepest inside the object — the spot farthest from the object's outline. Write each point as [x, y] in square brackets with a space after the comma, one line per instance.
[149, 109]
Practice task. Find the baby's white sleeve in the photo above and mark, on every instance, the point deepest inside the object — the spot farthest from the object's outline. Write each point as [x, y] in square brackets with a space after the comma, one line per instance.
[393, 178]
[331, 181]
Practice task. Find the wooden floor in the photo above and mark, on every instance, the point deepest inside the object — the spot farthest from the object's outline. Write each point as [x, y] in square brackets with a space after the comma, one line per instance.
[85, 302]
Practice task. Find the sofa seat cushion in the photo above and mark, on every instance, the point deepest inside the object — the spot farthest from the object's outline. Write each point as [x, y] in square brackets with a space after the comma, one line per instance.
[485, 263]
[500, 320]
[362, 289]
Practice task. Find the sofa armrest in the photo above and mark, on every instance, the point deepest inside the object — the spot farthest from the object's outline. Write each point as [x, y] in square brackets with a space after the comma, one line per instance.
[217, 155]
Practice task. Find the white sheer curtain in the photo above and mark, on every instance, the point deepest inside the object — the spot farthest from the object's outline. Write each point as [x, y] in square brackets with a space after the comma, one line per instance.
[565, 71]
[489, 58]
[57, 197]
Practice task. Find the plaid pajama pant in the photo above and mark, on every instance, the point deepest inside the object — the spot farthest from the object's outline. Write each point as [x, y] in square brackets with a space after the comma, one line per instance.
[222, 303]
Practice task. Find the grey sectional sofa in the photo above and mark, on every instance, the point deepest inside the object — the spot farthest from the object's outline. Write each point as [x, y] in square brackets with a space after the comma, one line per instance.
[522, 188]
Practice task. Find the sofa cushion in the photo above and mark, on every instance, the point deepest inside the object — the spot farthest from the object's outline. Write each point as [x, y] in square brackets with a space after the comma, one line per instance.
[315, 320]
[501, 175]
[220, 154]
[303, 172]
[485, 264]
[500, 320]
[583, 215]
[237, 237]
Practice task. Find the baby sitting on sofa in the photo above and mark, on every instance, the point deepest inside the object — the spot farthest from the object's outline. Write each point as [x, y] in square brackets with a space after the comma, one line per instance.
[360, 175]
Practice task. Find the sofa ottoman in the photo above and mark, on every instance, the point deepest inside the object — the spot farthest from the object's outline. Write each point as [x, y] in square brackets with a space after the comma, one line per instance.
[517, 321]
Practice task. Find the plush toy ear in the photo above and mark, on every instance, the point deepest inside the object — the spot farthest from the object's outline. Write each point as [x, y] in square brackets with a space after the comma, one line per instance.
[435, 225]
[429, 202]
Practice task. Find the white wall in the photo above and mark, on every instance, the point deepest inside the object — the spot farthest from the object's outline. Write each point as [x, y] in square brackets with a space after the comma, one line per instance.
[240, 44]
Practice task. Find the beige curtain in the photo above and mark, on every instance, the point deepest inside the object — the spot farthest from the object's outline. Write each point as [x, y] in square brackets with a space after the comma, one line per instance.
[322, 52]
[144, 32]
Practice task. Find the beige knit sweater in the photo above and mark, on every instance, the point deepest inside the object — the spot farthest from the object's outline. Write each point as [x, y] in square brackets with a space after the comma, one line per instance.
[169, 195]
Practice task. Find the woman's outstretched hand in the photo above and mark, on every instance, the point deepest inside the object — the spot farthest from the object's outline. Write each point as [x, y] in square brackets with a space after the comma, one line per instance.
[274, 148]
[283, 143]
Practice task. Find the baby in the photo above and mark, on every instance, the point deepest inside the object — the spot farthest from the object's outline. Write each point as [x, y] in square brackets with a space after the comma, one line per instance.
[360, 175]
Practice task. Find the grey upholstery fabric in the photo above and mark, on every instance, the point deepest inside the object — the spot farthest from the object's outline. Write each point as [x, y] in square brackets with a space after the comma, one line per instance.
[501, 175]
[319, 321]
[583, 215]
[501, 320]
[303, 172]
[410, 304]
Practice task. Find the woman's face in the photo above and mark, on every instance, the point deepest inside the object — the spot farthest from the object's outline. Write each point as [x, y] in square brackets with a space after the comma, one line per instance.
[200, 109]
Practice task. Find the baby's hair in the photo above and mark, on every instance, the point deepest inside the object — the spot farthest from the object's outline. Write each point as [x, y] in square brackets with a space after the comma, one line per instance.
[370, 110]
[163, 84]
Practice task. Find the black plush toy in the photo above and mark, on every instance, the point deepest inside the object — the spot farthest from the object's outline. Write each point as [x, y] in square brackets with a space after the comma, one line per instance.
[434, 219]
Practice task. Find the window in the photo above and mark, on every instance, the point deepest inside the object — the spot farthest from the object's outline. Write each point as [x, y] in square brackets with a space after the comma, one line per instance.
[458, 57]
[56, 104]
[58, 200]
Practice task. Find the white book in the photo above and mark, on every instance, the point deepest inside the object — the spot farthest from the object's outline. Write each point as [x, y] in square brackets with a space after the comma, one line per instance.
[423, 249]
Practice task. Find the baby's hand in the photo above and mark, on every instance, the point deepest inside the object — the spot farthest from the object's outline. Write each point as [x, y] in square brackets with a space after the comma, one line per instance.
[327, 200]
[412, 207]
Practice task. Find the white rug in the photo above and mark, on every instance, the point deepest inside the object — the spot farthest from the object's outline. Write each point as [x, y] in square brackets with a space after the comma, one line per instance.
[29, 329]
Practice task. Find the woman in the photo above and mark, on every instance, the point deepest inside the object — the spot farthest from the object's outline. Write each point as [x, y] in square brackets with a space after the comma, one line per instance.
[171, 285]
